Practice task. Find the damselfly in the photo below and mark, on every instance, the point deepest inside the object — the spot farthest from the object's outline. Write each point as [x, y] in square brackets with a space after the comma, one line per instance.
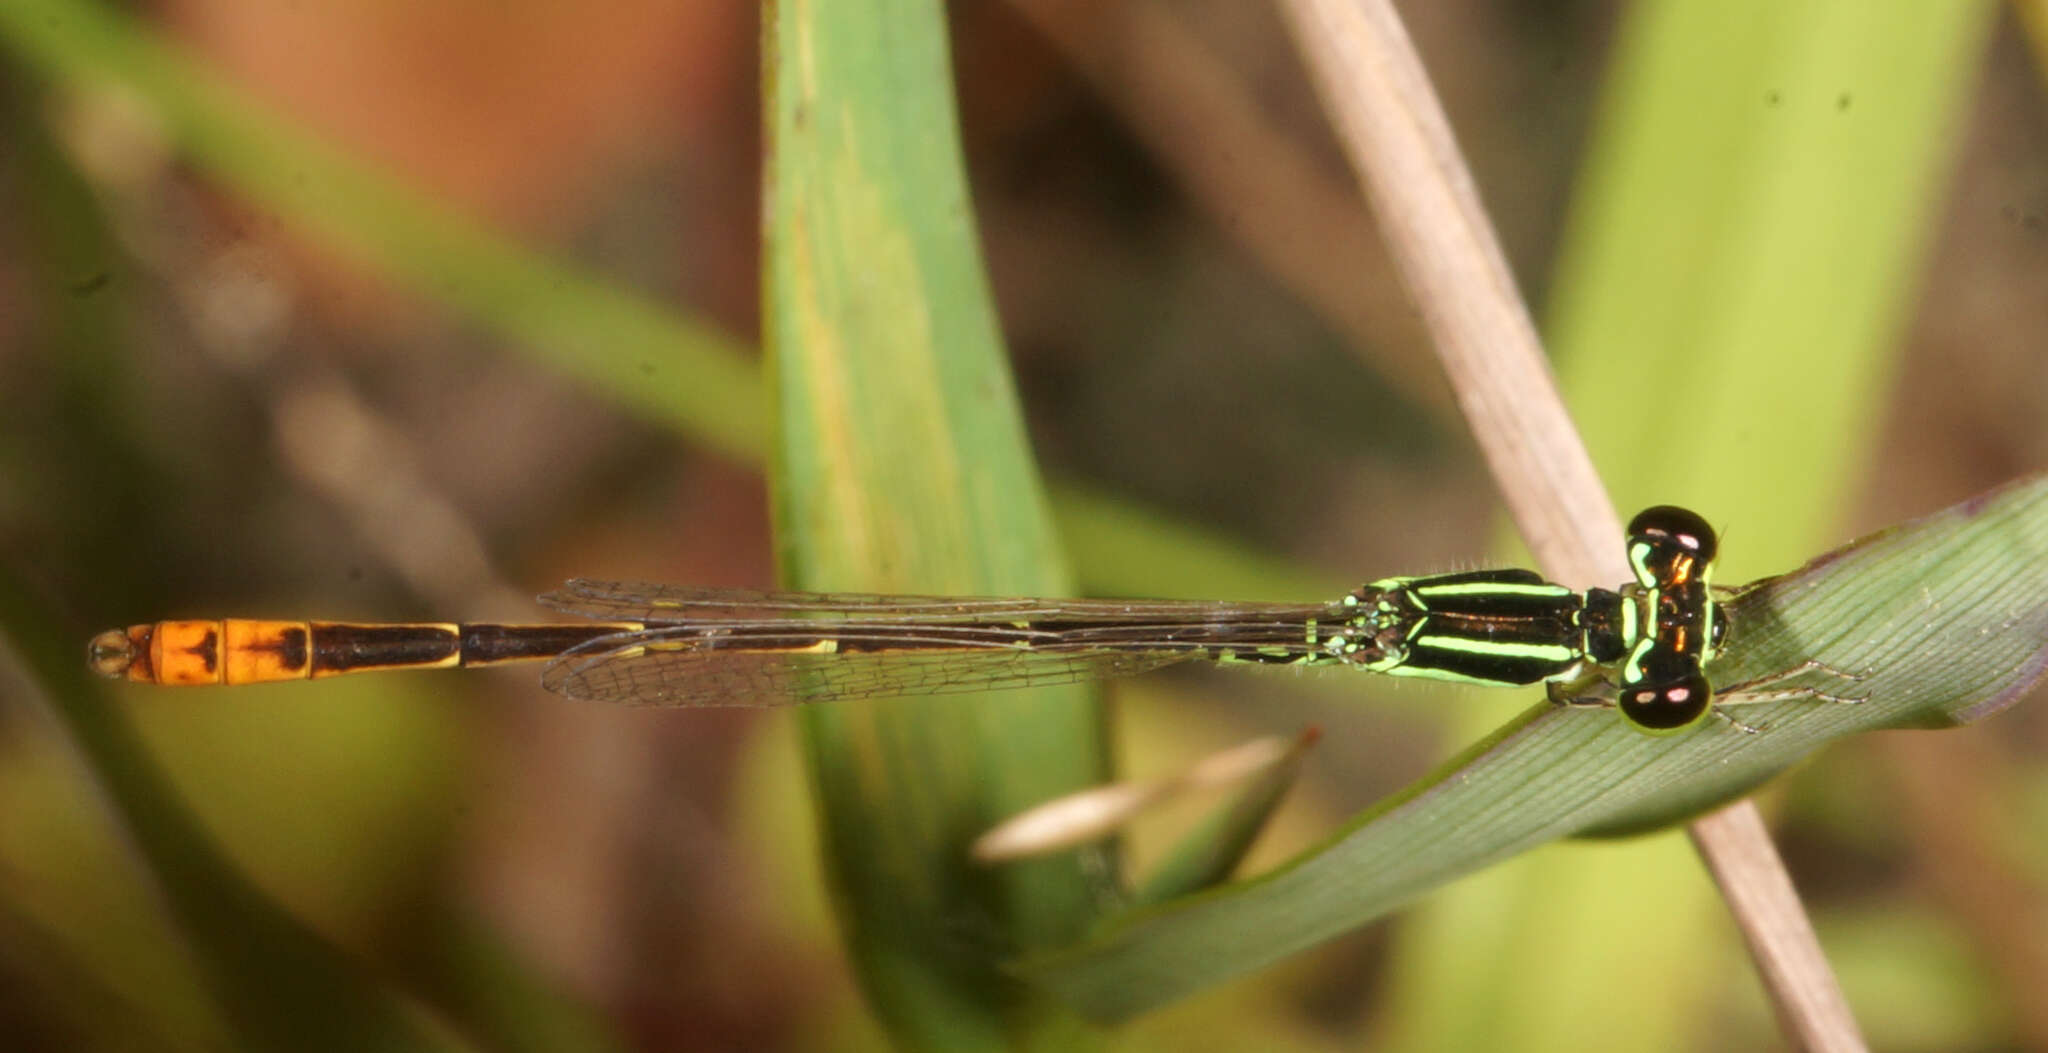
[1648, 642]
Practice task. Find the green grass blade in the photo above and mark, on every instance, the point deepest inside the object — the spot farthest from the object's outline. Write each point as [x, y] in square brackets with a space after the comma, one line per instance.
[1744, 249]
[902, 465]
[1944, 619]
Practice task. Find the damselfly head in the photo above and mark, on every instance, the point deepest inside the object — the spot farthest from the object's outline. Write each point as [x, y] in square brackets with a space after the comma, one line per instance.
[1673, 694]
[1669, 545]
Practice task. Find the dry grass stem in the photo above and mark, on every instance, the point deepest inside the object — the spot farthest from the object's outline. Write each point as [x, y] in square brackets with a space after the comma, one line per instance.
[1098, 812]
[1391, 126]
[1394, 130]
[1753, 881]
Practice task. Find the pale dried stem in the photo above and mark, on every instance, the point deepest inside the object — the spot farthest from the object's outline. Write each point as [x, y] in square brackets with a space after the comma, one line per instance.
[1090, 815]
[1393, 129]
[1389, 122]
[1738, 851]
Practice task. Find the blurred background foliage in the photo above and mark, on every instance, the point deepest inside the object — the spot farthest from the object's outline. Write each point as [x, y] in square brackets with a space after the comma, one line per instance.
[267, 401]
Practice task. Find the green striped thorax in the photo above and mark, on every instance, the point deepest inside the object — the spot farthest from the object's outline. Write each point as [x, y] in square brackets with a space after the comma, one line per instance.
[1653, 637]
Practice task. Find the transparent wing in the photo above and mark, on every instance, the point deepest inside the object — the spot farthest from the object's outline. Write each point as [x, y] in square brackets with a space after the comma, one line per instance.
[695, 676]
[709, 647]
[695, 604]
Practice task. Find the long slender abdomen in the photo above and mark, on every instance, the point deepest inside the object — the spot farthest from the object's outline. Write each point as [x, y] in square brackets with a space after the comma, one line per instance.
[248, 651]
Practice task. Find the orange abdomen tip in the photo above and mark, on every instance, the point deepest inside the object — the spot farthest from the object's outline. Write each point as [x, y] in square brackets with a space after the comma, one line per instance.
[183, 653]
[255, 652]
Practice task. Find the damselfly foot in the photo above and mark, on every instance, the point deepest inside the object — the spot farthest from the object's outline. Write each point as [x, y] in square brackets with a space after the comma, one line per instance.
[1592, 691]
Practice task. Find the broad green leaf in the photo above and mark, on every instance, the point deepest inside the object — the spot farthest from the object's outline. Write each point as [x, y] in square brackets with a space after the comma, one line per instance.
[901, 465]
[1942, 620]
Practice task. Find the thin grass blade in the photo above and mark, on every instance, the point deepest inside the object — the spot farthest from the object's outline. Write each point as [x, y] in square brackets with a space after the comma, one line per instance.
[1941, 620]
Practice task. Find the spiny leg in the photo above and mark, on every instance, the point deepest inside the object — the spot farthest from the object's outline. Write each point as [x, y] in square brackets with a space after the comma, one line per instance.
[1744, 693]
[1750, 696]
[1747, 729]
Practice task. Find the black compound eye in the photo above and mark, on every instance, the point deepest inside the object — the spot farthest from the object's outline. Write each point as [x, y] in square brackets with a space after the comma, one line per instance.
[1681, 528]
[1667, 705]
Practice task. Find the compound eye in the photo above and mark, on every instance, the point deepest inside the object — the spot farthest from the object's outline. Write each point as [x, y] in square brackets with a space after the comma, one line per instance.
[1662, 706]
[1682, 528]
